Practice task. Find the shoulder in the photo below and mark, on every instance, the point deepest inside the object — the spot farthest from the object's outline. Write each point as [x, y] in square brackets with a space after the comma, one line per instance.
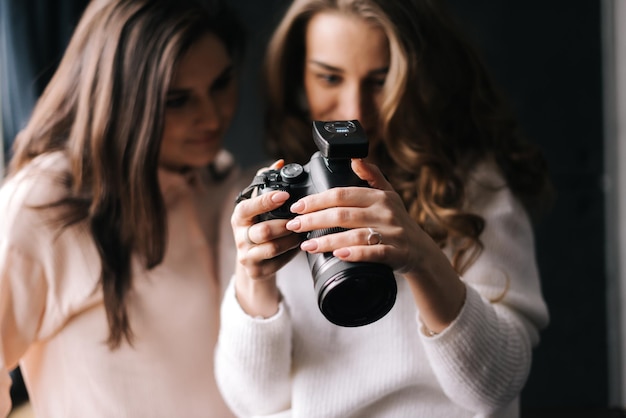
[485, 175]
[39, 183]
[486, 189]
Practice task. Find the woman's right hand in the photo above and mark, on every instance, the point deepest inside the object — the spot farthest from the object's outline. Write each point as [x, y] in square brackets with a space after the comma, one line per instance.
[262, 249]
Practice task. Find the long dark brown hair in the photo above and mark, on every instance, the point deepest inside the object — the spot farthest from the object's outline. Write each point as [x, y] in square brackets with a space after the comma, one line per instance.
[441, 115]
[104, 108]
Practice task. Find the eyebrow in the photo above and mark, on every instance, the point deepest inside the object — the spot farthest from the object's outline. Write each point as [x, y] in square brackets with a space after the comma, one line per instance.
[377, 71]
[225, 73]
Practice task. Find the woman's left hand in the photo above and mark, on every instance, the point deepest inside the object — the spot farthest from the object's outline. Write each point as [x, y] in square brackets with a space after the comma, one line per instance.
[381, 230]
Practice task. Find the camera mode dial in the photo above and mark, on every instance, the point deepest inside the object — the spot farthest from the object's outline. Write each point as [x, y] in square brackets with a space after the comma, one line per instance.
[292, 173]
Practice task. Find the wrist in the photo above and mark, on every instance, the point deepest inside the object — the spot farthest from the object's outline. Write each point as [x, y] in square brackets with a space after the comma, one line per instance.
[258, 298]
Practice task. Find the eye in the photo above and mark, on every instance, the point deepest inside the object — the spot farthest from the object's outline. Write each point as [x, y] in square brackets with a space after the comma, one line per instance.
[223, 81]
[175, 101]
[330, 79]
[377, 82]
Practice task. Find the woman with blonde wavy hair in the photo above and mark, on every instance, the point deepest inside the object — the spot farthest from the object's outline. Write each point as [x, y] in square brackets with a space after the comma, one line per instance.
[453, 188]
[109, 289]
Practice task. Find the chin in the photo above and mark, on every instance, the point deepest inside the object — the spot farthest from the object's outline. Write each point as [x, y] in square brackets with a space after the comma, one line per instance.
[197, 160]
[200, 162]
[205, 158]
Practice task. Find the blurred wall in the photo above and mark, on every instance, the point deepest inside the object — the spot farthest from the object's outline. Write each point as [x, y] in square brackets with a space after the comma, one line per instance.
[614, 81]
[245, 135]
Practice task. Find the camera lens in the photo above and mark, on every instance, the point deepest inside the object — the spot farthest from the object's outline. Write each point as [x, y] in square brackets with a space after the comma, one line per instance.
[352, 294]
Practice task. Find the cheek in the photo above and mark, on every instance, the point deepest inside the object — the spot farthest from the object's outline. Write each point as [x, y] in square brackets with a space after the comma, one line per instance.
[378, 100]
[226, 102]
[171, 133]
[229, 105]
[165, 149]
[321, 102]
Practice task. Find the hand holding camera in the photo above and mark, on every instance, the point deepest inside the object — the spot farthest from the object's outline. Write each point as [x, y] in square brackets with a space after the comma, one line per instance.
[348, 293]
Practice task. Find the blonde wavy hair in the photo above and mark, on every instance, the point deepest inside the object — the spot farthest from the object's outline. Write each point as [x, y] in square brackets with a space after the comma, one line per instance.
[440, 116]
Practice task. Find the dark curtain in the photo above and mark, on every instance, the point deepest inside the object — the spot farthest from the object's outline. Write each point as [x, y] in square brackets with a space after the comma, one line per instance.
[33, 36]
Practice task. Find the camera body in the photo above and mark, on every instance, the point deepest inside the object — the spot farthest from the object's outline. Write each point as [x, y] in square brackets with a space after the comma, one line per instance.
[349, 294]
[338, 142]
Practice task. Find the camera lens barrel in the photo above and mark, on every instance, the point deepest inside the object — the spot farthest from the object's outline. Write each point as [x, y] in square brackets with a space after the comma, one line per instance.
[352, 294]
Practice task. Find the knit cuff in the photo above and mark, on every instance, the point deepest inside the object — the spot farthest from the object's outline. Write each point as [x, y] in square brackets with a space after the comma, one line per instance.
[249, 335]
[476, 359]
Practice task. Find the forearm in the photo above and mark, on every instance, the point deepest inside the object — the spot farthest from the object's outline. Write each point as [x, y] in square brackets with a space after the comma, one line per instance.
[253, 359]
[437, 289]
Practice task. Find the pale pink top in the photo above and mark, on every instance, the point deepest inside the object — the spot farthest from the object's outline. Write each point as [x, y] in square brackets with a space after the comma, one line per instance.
[52, 317]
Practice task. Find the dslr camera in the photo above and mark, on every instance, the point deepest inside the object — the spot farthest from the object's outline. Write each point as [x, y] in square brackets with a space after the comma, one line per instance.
[348, 294]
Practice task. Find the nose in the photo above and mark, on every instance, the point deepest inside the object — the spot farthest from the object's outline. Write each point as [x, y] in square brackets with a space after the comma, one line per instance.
[350, 103]
[208, 115]
[356, 103]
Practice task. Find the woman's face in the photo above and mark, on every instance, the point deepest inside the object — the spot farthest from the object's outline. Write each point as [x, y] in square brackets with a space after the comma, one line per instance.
[346, 63]
[201, 101]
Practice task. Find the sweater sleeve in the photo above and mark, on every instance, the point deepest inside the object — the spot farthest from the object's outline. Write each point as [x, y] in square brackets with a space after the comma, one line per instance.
[253, 359]
[24, 281]
[482, 360]
[22, 302]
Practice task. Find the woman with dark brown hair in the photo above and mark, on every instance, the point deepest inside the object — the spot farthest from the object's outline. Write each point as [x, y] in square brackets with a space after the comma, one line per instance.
[109, 289]
[450, 216]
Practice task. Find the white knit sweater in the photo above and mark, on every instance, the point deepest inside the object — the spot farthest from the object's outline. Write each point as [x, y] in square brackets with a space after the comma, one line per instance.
[298, 364]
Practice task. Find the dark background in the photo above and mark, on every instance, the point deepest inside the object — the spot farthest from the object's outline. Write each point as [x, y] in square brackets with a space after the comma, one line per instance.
[546, 56]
